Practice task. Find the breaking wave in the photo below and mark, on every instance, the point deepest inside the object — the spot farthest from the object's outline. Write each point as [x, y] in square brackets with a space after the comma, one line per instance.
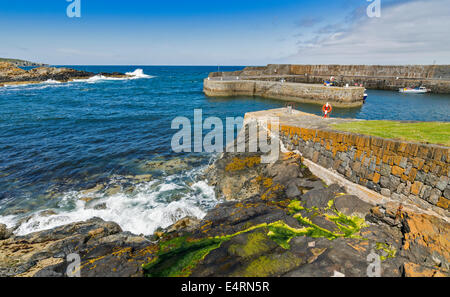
[154, 204]
[136, 74]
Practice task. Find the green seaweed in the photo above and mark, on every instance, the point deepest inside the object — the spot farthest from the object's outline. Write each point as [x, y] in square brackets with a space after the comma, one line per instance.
[390, 251]
[267, 265]
[282, 233]
[347, 225]
[295, 206]
[179, 256]
[256, 244]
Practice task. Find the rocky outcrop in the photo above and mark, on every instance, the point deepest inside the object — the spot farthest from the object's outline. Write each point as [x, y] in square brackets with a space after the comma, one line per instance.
[12, 74]
[279, 220]
[103, 247]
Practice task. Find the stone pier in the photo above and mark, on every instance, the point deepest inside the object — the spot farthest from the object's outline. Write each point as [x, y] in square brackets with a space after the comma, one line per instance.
[408, 172]
[287, 91]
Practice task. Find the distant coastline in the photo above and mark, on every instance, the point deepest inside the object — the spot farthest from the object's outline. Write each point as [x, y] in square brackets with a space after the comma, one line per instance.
[10, 74]
[22, 63]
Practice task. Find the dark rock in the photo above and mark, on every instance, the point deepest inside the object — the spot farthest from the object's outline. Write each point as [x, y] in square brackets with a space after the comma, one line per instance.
[351, 205]
[100, 206]
[11, 73]
[319, 197]
[96, 242]
[323, 222]
[292, 190]
[5, 233]
[185, 224]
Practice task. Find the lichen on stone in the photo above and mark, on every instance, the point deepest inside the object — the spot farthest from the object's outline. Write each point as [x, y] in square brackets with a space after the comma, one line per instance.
[238, 164]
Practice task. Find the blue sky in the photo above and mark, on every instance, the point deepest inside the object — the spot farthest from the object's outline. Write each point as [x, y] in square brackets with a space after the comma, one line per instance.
[245, 32]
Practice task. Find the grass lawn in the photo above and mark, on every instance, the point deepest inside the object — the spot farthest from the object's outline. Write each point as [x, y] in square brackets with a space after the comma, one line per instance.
[426, 132]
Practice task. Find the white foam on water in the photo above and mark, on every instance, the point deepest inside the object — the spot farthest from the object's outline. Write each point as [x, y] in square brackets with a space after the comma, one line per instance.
[141, 213]
[33, 85]
[51, 81]
[98, 78]
[136, 74]
[10, 221]
[168, 187]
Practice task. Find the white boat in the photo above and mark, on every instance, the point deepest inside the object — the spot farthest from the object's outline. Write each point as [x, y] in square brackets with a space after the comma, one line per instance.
[420, 90]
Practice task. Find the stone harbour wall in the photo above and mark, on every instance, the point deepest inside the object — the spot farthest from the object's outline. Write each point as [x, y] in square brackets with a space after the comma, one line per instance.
[298, 92]
[380, 77]
[404, 171]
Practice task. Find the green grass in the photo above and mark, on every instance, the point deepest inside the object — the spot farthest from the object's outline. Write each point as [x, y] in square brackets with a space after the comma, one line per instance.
[426, 132]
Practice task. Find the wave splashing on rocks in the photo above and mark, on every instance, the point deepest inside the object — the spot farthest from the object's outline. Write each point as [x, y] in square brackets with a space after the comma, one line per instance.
[139, 204]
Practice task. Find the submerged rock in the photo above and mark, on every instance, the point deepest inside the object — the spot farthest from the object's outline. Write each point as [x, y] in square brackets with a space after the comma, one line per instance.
[170, 166]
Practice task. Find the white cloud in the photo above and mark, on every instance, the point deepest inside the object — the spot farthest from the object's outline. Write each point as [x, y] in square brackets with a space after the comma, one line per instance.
[414, 32]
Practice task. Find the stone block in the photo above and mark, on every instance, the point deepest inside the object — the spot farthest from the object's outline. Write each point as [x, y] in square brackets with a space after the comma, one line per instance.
[412, 175]
[442, 183]
[443, 203]
[316, 156]
[434, 196]
[420, 176]
[384, 181]
[416, 187]
[376, 177]
[418, 163]
[447, 193]
[431, 180]
[425, 192]
[401, 188]
[356, 166]
[393, 183]
[397, 170]
[385, 170]
[403, 162]
[386, 192]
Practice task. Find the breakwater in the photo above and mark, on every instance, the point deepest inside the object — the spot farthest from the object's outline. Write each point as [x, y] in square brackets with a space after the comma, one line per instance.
[434, 77]
[404, 171]
[298, 92]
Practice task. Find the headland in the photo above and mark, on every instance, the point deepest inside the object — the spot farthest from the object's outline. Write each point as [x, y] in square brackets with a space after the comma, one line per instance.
[13, 75]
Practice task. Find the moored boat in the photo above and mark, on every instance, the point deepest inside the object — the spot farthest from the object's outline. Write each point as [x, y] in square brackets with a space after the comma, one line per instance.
[418, 90]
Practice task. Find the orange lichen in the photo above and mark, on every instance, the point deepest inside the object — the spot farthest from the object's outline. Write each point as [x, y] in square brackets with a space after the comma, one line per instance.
[429, 232]
[238, 164]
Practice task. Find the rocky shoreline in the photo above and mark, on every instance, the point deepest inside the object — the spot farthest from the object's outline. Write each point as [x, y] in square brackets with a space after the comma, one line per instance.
[12, 75]
[277, 220]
